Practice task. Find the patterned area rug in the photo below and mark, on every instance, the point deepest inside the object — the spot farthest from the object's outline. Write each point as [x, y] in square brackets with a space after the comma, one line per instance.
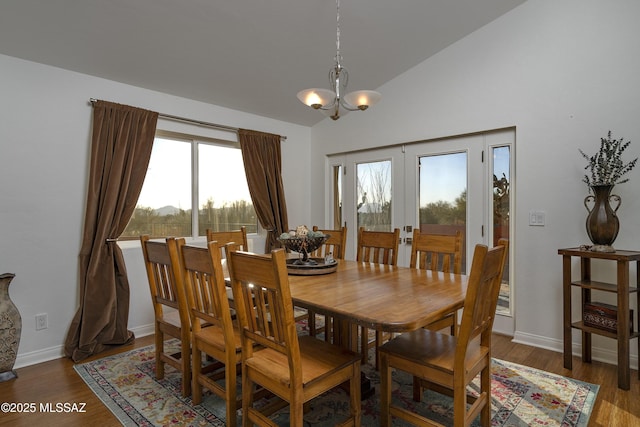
[521, 396]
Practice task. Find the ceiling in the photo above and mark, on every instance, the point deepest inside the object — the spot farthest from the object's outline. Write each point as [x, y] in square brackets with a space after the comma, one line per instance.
[247, 55]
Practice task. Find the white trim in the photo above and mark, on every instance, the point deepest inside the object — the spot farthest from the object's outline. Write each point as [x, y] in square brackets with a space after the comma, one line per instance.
[57, 352]
[597, 353]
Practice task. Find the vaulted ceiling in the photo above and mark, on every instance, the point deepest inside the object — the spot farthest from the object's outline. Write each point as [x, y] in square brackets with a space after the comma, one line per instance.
[248, 55]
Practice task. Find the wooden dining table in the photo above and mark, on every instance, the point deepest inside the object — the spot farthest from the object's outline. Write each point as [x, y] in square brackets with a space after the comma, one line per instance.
[380, 297]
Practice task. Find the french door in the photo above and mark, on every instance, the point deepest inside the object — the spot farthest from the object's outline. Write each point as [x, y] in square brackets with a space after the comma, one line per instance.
[440, 186]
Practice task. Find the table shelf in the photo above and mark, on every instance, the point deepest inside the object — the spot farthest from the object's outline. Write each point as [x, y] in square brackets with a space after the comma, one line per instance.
[621, 289]
[581, 326]
[600, 286]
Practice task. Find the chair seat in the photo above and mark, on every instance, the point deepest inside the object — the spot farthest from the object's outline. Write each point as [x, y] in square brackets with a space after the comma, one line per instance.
[214, 336]
[318, 359]
[432, 349]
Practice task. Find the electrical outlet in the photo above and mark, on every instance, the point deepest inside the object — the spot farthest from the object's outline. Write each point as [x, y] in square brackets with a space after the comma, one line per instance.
[42, 321]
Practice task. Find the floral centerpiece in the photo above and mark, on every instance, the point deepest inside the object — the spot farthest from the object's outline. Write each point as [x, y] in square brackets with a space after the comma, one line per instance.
[605, 169]
[303, 241]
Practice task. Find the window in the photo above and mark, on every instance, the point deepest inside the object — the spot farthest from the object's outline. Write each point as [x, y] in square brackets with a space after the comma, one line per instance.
[186, 172]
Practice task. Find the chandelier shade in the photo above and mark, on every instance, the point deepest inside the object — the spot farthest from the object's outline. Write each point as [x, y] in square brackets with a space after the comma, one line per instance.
[325, 99]
[362, 99]
[317, 98]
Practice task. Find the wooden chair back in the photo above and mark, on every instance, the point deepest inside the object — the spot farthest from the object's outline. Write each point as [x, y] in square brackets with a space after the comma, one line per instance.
[164, 274]
[335, 245]
[449, 364]
[206, 289]
[264, 306]
[437, 252]
[219, 340]
[224, 237]
[481, 299]
[380, 247]
[263, 302]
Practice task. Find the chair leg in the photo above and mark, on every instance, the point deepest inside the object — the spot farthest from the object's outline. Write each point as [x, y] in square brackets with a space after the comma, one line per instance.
[247, 398]
[296, 410]
[385, 390]
[230, 392]
[417, 389]
[355, 396]
[311, 323]
[364, 344]
[196, 387]
[485, 385]
[459, 403]
[159, 349]
[185, 362]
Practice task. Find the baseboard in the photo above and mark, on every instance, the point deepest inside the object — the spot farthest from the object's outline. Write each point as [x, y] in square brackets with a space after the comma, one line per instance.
[57, 352]
[39, 356]
[600, 354]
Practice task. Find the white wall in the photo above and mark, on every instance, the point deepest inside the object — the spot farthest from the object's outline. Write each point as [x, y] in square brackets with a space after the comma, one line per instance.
[45, 129]
[563, 73]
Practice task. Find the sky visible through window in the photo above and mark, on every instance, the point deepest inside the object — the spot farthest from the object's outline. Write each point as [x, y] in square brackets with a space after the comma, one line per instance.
[221, 175]
[446, 175]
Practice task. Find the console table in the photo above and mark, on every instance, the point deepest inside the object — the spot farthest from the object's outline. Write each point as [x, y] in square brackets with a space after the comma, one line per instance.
[623, 291]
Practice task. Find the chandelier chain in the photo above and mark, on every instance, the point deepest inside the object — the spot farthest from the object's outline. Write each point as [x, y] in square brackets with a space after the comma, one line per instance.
[338, 31]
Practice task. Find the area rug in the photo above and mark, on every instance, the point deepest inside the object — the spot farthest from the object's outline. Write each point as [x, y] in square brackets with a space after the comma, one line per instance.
[521, 396]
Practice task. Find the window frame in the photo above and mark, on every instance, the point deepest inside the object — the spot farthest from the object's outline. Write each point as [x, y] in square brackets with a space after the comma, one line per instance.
[195, 140]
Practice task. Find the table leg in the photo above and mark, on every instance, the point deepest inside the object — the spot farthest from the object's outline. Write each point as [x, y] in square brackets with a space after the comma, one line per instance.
[346, 335]
[623, 326]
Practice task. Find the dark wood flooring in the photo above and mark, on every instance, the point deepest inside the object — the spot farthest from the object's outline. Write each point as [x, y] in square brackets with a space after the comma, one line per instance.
[57, 382]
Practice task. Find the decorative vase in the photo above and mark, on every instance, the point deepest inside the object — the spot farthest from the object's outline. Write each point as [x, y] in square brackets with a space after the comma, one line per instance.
[10, 329]
[602, 221]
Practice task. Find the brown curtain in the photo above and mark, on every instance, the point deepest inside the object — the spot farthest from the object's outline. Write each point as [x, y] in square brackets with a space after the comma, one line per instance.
[261, 154]
[120, 151]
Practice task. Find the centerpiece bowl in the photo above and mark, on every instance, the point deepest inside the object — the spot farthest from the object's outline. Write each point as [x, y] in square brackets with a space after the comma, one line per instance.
[305, 241]
[303, 245]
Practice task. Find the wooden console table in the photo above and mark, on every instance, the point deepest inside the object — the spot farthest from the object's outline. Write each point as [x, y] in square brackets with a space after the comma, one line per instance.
[621, 288]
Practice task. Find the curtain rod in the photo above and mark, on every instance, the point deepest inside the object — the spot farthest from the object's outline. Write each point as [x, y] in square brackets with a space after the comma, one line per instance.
[192, 121]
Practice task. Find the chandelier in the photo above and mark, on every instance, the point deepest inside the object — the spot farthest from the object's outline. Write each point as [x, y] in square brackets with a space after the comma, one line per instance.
[325, 99]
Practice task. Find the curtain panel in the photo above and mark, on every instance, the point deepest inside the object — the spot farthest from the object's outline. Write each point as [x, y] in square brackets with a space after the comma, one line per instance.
[121, 148]
[261, 154]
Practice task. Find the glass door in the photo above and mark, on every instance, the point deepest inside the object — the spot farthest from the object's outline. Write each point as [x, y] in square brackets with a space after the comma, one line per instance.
[460, 183]
[373, 193]
[444, 181]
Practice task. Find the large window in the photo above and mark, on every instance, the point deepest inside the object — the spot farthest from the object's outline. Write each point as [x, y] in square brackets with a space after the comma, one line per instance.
[192, 184]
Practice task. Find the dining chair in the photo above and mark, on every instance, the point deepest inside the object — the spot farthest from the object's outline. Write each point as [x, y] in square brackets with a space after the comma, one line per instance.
[294, 368]
[438, 252]
[168, 296]
[447, 363]
[379, 247]
[334, 247]
[224, 237]
[208, 305]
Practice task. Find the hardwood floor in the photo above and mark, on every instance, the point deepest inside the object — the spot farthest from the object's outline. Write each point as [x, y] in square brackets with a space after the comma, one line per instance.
[57, 382]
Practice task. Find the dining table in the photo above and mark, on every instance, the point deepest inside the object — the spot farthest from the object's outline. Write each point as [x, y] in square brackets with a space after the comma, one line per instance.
[386, 298]
[380, 297]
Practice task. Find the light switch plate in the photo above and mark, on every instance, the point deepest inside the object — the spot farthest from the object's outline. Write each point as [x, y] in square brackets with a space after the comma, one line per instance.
[537, 218]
